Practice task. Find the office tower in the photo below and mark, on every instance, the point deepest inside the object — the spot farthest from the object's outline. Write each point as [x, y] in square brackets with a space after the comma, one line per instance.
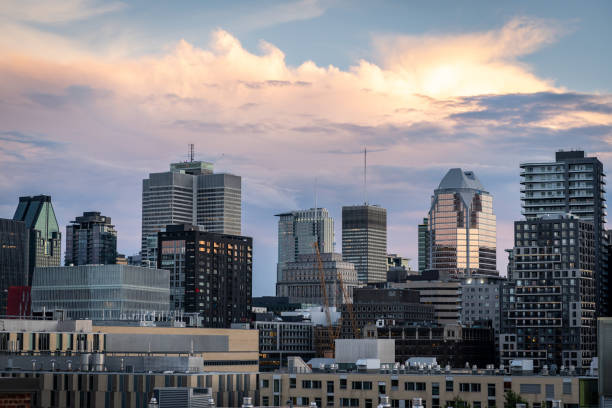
[481, 300]
[101, 292]
[548, 305]
[14, 258]
[424, 245]
[364, 241]
[210, 273]
[45, 244]
[462, 226]
[189, 193]
[572, 184]
[91, 239]
[301, 279]
[299, 230]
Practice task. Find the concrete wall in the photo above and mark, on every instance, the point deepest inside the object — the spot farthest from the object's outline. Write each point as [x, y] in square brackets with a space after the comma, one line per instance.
[348, 351]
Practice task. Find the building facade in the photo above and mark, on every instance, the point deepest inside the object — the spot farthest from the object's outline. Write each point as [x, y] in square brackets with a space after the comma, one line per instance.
[462, 226]
[481, 300]
[101, 292]
[14, 258]
[210, 274]
[549, 302]
[301, 280]
[91, 239]
[450, 344]
[45, 244]
[189, 193]
[364, 241]
[477, 389]
[385, 307]
[573, 184]
[298, 231]
[423, 242]
[281, 339]
[436, 289]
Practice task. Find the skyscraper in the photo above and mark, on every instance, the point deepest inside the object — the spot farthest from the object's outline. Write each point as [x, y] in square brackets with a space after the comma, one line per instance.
[548, 304]
[189, 193]
[364, 241]
[91, 239]
[210, 274]
[44, 234]
[297, 233]
[424, 245]
[14, 244]
[462, 228]
[572, 184]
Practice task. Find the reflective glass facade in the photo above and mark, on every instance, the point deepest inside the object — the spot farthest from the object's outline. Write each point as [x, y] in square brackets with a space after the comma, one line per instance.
[14, 243]
[462, 227]
[101, 292]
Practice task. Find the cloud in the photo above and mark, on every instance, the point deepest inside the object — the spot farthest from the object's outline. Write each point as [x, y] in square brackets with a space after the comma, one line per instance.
[55, 11]
[433, 102]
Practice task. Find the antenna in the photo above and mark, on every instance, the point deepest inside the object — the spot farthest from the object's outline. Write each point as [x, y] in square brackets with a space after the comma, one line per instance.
[190, 152]
[365, 182]
[316, 212]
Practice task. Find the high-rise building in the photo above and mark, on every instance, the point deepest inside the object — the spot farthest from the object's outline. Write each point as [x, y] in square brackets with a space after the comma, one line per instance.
[14, 258]
[462, 228]
[297, 233]
[572, 184]
[189, 193]
[548, 304]
[210, 273]
[45, 244]
[364, 241]
[301, 279]
[424, 245]
[91, 239]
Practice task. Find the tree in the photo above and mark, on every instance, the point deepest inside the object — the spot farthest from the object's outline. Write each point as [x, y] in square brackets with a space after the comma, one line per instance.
[457, 402]
[511, 398]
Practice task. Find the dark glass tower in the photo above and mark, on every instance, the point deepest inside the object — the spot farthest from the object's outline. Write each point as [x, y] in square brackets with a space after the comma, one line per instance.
[424, 245]
[572, 184]
[44, 234]
[14, 258]
[91, 239]
[210, 274]
[364, 241]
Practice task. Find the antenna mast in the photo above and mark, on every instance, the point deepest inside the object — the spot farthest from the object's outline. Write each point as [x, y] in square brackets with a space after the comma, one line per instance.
[191, 152]
[365, 183]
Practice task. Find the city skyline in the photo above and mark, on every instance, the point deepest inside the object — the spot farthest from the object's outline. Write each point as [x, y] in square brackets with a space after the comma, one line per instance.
[282, 115]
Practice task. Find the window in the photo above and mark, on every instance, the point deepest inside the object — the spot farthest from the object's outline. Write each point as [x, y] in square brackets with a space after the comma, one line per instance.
[330, 387]
[368, 403]
[449, 386]
[435, 388]
[475, 387]
[276, 385]
[265, 401]
[491, 390]
[420, 386]
[343, 383]
[306, 384]
[382, 388]
[316, 385]
[464, 387]
[409, 386]
[265, 383]
[477, 404]
[394, 384]
[305, 401]
[292, 383]
[330, 400]
[318, 402]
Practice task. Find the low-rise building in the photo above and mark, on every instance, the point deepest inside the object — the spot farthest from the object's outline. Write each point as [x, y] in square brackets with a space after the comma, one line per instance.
[281, 339]
[101, 292]
[435, 389]
[384, 306]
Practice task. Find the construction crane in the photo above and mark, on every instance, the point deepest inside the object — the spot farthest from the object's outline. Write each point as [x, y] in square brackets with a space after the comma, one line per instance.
[334, 332]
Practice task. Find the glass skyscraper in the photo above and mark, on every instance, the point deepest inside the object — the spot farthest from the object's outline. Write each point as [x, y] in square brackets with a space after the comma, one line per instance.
[462, 226]
[364, 241]
[45, 238]
[424, 245]
[14, 258]
[189, 193]
[297, 233]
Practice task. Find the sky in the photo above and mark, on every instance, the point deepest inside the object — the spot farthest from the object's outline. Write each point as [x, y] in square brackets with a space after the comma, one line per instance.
[96, 95]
